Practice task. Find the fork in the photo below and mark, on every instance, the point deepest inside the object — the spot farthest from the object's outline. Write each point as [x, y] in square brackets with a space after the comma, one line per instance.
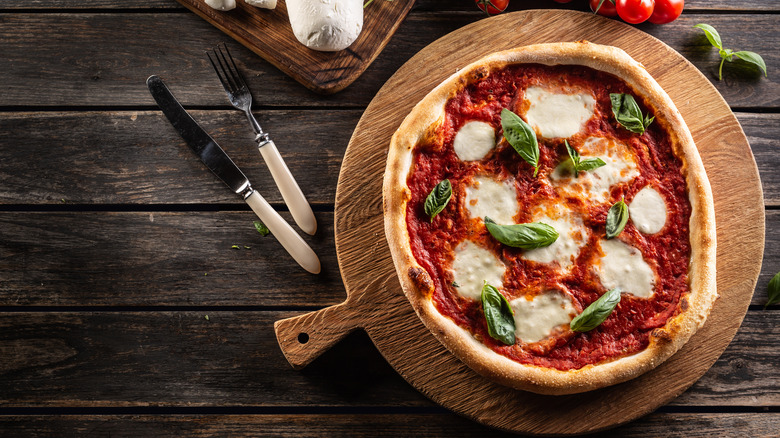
[241, 98]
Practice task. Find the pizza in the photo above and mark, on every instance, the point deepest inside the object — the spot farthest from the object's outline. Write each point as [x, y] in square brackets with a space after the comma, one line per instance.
[550, 219]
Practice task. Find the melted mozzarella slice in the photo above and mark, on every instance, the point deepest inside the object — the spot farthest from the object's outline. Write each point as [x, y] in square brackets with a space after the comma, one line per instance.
[558, 115]
[498, 200]
[572, 235]
[474, 140]
[648, 211]
[595, 184]
[623, 267]
[537, 318]
[472, 266]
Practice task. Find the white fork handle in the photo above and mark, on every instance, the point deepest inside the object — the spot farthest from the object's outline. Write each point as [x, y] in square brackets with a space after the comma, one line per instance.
[284, 233]
[291, 193]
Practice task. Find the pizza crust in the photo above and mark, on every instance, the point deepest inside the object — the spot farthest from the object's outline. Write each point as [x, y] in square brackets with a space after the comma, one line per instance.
[418, 286]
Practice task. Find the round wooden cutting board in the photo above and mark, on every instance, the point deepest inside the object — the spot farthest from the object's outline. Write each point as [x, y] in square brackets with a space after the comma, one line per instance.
[376, 303]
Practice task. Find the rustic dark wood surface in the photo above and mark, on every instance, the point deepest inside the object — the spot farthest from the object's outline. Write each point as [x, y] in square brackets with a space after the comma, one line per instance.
[115, 242]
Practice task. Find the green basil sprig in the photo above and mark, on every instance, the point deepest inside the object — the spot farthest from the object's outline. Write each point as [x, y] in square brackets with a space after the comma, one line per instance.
[628, 114]
[727, 54]
[522, 137]
[526, 236]
[773, 291]
[438, 198]
[498, 314]
[261, 228]
[581, 165]
[596, 313]
[617, 218]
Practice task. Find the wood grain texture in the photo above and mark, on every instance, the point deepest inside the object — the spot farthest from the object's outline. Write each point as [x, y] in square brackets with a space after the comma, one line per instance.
[304, 338]
[157, 259]
[402, 338]
[168, 358]
[268, 33]
[88, 59]
[436, 424]
[56, 156]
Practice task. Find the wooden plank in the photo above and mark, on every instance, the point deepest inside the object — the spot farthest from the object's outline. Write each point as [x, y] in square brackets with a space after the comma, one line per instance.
[158, 258]
[39, 72]
[54, 156]
[146, 162]
[771, 262]
[178, 358]
[695, 425]
[764, 138]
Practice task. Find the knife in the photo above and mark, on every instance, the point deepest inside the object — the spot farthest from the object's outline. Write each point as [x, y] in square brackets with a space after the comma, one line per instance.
[218, 162]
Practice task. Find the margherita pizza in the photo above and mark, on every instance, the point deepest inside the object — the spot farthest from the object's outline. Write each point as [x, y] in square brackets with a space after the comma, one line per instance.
[550, 218]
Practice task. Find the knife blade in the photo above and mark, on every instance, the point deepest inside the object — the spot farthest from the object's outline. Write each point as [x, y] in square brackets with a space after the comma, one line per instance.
[209, 152]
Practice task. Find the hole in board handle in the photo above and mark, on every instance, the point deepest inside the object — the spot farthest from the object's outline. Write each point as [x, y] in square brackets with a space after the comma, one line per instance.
[303, 338]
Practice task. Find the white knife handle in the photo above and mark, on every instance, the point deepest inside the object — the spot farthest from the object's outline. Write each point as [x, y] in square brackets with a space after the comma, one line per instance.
[292, 194]
[284, 233]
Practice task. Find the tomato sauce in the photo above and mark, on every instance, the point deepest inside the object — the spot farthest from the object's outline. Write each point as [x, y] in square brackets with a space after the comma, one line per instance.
[627, 330]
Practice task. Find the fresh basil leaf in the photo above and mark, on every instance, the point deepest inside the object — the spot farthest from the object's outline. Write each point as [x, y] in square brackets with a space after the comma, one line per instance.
[753, 58]
[617, 217]
[261, 228]
[525, 236]
[596, 313]
[579, 165]
[628, 114]
[455, 284]
[590, 164]
[522, 137]
[573, 154]
[728, 54]
[648, 120]
[438, 198]
[498, 314]
[773, 291]
[712, 35]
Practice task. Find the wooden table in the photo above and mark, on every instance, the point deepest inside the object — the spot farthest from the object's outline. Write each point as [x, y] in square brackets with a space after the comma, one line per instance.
[124, 309]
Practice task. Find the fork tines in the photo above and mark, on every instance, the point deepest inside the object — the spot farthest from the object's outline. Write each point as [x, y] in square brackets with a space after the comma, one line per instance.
[226, 68]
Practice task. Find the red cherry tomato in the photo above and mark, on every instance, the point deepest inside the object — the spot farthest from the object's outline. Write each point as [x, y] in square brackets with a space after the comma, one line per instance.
[666, 11]
[607, 8]
[492, 7]
[634, 11]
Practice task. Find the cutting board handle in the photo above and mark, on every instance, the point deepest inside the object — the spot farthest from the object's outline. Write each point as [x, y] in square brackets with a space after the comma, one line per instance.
[304, 338]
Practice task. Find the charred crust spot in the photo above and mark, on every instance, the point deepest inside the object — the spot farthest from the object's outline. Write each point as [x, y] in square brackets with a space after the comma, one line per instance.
[406, 194]
[479, 73]
[684, 304]
[421, 280]
[661, 336]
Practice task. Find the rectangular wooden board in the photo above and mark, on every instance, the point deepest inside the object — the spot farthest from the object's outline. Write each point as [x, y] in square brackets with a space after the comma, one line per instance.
[269, 34]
